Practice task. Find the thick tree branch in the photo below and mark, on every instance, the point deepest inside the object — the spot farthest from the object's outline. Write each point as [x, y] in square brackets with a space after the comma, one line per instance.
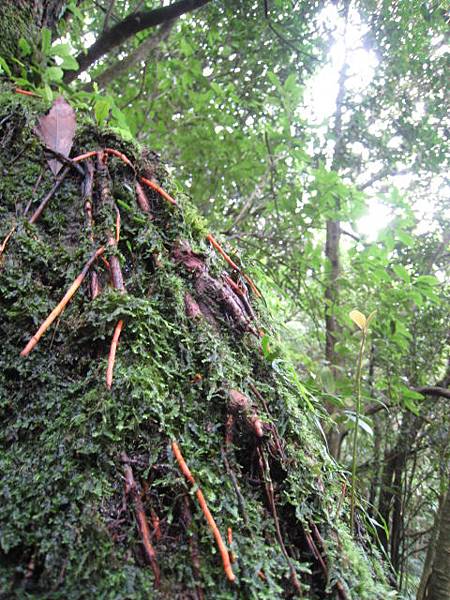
[141, 53]
[131, 25]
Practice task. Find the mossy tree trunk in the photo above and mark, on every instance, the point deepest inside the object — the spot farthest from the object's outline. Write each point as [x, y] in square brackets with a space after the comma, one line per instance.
[91, 484]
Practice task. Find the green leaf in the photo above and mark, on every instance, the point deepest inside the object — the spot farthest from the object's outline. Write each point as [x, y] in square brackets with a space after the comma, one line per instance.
[48, 93]
[401, 272]
[24, 47]
[404, 237]
[46, 41]
[426, 280]
[101, 109]
[69, 63]
[53, 74]
[411, 406]
[361, 422]
[60, 50]
[4, 66]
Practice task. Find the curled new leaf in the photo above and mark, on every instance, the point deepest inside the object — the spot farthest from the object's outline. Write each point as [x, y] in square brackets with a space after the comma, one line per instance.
[357, 317]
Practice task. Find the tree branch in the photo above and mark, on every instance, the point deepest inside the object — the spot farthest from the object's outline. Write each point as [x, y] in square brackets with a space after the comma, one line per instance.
[433, 390]
[127, 28]
[141, 53]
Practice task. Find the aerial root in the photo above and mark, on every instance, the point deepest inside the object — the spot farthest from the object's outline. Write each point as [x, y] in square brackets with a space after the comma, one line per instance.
[112, 353]
[131, 490]
[61, 306]
[208, 516]
[232, 264]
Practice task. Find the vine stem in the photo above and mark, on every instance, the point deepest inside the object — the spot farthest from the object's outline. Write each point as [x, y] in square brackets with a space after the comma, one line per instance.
[355, 434]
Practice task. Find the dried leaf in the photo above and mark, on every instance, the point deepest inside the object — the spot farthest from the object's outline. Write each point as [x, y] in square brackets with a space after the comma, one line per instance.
[57, 129]
[357, 317]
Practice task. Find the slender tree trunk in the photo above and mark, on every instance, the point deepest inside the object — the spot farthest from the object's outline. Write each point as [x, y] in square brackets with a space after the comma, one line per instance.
[435, 580]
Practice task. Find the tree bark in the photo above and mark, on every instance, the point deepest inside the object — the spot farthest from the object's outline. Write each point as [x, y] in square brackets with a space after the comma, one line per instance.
[127, 28]
[435, 580]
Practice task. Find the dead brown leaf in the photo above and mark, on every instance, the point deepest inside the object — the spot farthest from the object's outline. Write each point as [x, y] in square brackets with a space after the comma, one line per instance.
[56, 131]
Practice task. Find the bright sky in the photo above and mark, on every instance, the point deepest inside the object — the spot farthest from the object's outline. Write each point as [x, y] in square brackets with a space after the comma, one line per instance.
[320, 98]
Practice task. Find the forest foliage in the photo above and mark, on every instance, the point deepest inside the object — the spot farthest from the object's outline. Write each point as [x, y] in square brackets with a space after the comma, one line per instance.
[313, 136]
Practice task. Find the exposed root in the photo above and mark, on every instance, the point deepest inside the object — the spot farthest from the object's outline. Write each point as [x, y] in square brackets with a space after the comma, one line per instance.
[237, 489]
[157, 188]
[112, 354]
[131, 490]
[61, 306]
[87, 189]
[26, 93]
[316, 552]
[84, 156]
[120, 155]
[142, 199]
[229, 431]
[208, 516]
[265, 473]
[241, 407]
[232, 264]
[156, 525]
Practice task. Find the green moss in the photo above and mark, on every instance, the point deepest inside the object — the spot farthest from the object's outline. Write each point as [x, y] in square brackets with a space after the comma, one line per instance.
[65, 531]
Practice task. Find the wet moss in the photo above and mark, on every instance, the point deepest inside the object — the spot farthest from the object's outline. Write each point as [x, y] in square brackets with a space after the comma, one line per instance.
[65, 528]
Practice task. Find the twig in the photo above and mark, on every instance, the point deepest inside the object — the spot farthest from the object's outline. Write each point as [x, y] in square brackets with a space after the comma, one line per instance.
[7, 238]
[112, 353]
[37, 213]
[65, 159]
[131, 489]
[61, 306]
[208, 516]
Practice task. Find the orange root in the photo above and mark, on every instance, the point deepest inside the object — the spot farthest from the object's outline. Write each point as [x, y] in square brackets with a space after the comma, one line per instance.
[209, 518]
[112, 353]
[232, 264]
[161, 192]
[120, 155]
[85, 156]
[26, 93]
[61, 306]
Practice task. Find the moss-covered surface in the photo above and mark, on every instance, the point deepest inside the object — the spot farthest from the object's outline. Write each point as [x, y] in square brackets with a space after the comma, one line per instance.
[66, 529]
